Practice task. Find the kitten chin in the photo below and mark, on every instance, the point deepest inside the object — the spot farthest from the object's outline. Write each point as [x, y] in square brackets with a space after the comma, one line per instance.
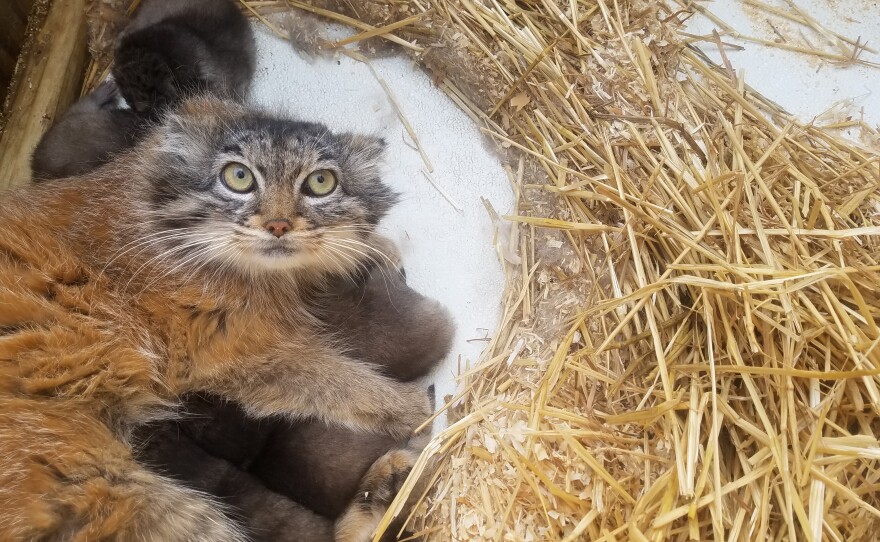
[287, 260]
[315, 255]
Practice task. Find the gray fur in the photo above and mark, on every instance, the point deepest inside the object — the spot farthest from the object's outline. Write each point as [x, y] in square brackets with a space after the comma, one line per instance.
[87, 136]
[173, 49]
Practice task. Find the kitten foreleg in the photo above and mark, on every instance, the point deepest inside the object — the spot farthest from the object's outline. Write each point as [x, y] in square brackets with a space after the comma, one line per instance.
[332, 388]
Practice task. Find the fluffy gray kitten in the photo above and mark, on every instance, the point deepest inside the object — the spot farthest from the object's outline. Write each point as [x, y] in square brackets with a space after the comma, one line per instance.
[170, 50]
[173, 49]
[89, 134]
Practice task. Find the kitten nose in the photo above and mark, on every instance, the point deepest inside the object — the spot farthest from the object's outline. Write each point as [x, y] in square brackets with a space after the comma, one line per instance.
[277, 226]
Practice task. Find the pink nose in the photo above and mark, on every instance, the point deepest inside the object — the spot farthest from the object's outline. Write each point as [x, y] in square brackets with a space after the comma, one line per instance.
[277, 226]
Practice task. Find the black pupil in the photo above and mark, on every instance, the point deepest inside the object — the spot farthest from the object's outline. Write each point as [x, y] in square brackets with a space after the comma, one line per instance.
[240, 173]
[320, 179]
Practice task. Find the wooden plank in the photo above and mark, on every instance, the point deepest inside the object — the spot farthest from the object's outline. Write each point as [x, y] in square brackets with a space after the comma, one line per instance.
[49, 83]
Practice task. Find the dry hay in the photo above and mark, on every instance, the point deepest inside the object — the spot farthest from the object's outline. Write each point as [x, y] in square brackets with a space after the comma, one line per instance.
[688, 343]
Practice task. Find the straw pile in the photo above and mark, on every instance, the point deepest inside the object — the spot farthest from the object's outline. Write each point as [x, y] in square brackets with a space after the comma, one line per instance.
[689, 340]
[688, 344]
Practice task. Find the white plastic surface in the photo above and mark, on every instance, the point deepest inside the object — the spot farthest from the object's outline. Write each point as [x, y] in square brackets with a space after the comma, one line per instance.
[805, 86]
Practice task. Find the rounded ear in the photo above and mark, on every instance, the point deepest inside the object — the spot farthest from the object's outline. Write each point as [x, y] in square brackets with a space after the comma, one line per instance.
[366, 151]
[187, 134]
[361, 160]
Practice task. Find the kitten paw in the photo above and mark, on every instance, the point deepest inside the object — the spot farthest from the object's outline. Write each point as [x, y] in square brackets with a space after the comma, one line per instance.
[413, 410]
[375, 493]
[384, 479]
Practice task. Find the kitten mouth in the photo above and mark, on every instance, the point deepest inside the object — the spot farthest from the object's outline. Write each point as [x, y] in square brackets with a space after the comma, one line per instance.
[275, 250]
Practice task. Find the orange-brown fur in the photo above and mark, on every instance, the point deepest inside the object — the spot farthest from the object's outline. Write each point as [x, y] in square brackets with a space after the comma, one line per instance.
[95, 339]
[76, 368]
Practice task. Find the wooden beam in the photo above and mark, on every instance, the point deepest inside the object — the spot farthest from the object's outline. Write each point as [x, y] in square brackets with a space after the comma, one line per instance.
[49, 83]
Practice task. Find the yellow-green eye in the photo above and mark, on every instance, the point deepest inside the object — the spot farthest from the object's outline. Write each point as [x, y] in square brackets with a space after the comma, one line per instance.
[320, 183]
[238, 178]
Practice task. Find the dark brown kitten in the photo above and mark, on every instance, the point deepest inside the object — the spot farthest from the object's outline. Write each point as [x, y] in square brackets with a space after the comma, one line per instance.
[264, 515]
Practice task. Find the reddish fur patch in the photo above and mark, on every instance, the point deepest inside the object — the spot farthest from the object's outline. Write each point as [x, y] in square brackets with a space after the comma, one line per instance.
[78, 358]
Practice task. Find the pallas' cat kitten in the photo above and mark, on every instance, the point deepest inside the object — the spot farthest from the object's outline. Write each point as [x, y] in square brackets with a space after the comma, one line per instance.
[183, 265]
[172, 49]
[88, 135]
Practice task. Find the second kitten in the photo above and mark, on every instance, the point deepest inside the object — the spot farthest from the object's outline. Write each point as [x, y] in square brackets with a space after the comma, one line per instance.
[326, 468]
[173, 49]
[88, 135]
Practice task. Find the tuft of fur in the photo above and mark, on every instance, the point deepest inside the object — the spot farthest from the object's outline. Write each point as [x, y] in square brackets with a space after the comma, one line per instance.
[173, 49]
[87, 136]
[148, 279]
[306, 35]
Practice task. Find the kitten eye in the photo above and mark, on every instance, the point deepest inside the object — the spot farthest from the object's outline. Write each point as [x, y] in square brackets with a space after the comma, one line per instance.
[320, 183]
[238, 178]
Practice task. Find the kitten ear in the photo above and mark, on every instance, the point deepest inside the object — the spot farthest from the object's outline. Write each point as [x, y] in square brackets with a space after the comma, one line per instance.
[365, 151]
[186, 134]
[361, 161]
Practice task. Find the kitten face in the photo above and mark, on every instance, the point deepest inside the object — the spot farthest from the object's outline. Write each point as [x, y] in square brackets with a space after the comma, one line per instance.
[239, 188]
